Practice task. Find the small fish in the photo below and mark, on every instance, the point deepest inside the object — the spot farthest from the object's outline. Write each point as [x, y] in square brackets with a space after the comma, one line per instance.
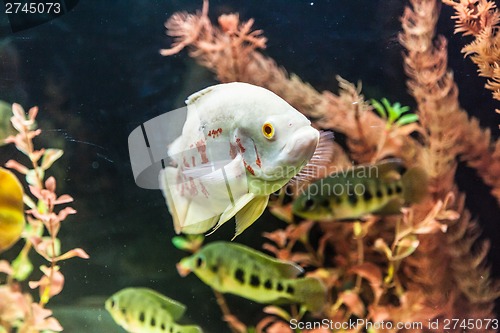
[239, 144]
[240, 270]
[11, 209]
[380, 189]
[142, 310]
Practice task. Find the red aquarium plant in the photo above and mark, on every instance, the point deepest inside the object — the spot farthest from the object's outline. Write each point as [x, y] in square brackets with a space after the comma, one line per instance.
[424, 266]
[18, 309]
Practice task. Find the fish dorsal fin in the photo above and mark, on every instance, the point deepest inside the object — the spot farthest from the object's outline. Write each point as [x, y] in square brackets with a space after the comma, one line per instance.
[197, 95]
[390, 169]
[286, 269]
[250, 213]
[173, 307]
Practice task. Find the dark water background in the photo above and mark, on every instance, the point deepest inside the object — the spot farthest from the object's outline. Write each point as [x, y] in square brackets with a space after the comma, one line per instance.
[96, 74]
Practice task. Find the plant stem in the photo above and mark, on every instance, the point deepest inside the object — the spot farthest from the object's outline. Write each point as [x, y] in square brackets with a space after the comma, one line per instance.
[225, 309]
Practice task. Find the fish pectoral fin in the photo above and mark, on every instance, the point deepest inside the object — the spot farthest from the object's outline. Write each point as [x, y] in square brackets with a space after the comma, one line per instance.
[391, 207]
[200, 227]
[233, 210]
[251, 212]
[206, 171]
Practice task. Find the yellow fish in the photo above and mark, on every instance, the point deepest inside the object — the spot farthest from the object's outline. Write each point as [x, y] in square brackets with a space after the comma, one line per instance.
[11, 209]
[240, 270]
[380, 189]
[142, 310]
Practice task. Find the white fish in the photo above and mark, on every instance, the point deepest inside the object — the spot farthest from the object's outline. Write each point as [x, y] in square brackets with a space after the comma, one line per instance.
[239, 144]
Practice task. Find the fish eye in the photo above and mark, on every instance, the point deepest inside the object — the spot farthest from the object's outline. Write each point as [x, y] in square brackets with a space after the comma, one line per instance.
[268, 130]
[309, 204]
[199, 262]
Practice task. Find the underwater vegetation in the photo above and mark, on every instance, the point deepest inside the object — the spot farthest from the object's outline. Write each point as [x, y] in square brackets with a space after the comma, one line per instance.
[19, 312]
[421, 265]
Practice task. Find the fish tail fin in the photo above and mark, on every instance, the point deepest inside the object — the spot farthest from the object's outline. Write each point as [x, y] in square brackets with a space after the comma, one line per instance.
[311, 292]
[415, 185]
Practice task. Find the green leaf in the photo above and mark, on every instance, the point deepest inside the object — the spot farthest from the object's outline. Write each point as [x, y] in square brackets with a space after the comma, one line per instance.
[379, 108]
[406, 247]
[278, 312]
[41, 207]
[407, 119]
[22, 267]
[49, 157]
[31, 176]
[404, 109]
[50, 249]
[189, 243]
[180, 242]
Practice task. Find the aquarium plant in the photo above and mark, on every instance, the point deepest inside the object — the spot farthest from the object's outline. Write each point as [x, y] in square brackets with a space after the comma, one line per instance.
[20, 311]
[425, 263]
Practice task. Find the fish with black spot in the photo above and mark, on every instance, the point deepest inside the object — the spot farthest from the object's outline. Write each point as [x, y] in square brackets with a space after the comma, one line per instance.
[237, 269]
[142, 310]
[381, 189]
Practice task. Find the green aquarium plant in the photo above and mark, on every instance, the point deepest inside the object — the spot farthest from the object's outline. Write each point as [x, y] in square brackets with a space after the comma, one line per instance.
[394, 114]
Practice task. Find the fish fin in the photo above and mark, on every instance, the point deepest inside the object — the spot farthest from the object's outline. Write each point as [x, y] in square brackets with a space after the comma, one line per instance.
[173, 307]
[393, 206]
[310, 292]
[217, 187]
[318, 164]
[190, 329]
[200, 227]
[197, 95]
[390, 169]
[415, 185]
[205, 171]
[250, 213]
[177, 203]
[233, 210]
[286, 269]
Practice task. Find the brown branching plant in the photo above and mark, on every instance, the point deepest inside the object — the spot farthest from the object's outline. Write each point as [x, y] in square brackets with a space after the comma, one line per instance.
[425, 264]
[19, 312]
[481, 20]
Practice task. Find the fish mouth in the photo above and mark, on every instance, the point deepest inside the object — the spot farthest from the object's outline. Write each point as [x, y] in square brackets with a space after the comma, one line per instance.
[300, 148]
[182, 269]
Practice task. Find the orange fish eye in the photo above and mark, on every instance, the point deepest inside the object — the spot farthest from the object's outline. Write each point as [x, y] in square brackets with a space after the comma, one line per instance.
[268, 130]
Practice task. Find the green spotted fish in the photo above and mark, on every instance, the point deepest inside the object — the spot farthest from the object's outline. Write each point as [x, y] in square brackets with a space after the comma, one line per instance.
[380, 189]
[240, 270]
[142, 310]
